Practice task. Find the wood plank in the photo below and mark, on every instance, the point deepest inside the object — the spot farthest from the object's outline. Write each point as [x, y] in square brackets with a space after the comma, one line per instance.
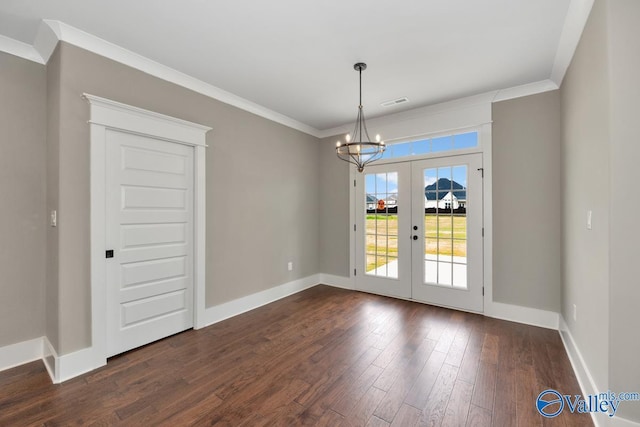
[434, 411]
[471, 358]
[458, 405]
[490, 349]
[417, 396]
[504, 412]
[355, 390]
[485, 388]
[479, 417]
[526, 393]
[407, 416]
[363, 410]
[414, 364]
[330, 419]
[341, 388]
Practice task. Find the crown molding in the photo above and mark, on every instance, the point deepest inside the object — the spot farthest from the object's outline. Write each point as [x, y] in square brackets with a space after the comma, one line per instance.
[574, 24]
[20, 49]
[51, 32]
[525, 90]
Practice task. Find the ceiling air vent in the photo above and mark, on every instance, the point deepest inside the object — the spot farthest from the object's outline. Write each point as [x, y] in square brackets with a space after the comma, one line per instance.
[395, 102]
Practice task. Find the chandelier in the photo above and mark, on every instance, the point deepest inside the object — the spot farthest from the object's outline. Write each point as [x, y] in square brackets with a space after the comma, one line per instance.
[359, 149]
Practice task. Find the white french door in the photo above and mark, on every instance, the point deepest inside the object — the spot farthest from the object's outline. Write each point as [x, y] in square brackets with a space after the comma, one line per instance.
[383, 218]
[447, 231]
[419, 231]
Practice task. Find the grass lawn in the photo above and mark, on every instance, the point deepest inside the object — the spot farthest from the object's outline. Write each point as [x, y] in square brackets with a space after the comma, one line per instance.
[444, 234]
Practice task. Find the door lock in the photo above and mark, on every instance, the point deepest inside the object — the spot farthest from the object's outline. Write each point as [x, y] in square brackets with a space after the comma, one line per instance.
[415, 227]
[415, 237]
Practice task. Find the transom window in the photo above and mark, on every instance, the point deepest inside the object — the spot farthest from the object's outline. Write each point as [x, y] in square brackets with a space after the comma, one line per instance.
[459, 141]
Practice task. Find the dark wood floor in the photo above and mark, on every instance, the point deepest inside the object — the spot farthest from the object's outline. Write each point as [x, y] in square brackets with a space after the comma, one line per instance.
[325, 356]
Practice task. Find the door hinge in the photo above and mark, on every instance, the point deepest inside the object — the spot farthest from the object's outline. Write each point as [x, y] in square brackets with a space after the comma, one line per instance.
[355, 272]
[354, 227]
[483, 291]
[482, 231]
[354, 182]
[482, 171]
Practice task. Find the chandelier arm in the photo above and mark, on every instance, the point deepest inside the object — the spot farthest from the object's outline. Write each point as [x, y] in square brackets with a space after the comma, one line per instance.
[355, 133]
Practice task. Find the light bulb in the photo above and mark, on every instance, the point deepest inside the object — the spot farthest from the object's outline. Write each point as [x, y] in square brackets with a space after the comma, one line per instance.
[358, 148]
[348, 137]
[378, 138]
[338, 144]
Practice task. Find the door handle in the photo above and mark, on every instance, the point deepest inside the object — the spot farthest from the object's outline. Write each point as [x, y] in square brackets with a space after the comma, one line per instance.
[415, 227]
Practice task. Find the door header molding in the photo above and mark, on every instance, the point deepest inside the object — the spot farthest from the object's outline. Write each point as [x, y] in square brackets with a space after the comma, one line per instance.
[116, 115]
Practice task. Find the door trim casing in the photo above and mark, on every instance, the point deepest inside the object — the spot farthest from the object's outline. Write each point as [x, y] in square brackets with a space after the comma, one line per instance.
[107, 114]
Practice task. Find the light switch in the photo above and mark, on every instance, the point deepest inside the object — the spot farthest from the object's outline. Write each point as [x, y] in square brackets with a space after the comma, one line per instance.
[589, 219]
[54, 218]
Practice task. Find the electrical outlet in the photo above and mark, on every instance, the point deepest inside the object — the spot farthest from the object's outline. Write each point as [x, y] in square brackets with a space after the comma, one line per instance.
[290, 266]
[575, 313]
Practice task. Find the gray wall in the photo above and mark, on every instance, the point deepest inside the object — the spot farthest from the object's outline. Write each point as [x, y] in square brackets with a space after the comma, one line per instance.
[334, 210]
[585, 145]
[262, 188]
[600, 104]
[22, 192]
[527, 220]
[624, 293]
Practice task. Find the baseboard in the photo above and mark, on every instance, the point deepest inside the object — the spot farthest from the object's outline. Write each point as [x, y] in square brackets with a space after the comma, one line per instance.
[49, 357]
[229, 309]
[20, 353]
[514, 313]
[337, 281]
[65, 367]
[526, 315]
[585, 379]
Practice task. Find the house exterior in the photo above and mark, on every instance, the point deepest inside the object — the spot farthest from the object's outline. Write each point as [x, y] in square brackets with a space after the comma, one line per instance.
[445, 201]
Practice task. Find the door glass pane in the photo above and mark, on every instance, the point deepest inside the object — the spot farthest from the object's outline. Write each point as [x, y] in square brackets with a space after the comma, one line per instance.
[445, 226]
[381, 224]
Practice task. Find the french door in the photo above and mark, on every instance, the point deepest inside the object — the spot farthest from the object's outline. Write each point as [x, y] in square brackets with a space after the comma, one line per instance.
[419, 231]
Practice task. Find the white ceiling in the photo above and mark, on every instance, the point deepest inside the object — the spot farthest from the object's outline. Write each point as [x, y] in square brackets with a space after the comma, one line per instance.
[296, 57]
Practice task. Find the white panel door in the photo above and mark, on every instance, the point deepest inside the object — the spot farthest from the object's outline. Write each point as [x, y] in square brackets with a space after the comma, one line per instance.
[149, 227]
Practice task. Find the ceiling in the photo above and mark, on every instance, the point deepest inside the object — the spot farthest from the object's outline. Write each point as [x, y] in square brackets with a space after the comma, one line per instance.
[295, 57]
